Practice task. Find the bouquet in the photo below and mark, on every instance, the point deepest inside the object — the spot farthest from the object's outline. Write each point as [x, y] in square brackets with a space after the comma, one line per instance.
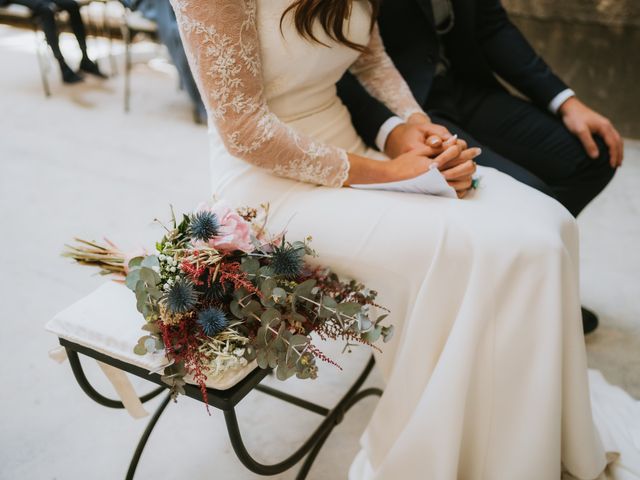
[220, 292]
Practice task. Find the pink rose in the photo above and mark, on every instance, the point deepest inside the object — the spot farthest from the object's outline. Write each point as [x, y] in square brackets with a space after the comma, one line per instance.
[235, 231]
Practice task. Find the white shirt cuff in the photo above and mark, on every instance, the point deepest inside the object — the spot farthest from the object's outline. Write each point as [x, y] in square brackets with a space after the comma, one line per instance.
[386, 128]
[559, 99]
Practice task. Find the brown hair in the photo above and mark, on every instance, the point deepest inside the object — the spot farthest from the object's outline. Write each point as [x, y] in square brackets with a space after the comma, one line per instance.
[332, 15]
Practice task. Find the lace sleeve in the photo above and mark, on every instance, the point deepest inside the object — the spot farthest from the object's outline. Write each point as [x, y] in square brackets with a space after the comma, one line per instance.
[379, 76]
[221, 41]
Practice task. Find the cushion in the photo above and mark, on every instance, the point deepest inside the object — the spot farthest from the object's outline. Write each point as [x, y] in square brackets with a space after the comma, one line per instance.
[107, 321]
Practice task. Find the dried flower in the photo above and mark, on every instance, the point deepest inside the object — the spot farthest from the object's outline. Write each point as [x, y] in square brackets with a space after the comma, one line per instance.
[287, 261]
[204, 225]
[182, 297]
[213, 321]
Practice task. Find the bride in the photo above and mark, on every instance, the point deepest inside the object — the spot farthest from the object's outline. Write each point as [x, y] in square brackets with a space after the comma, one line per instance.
[487, 377]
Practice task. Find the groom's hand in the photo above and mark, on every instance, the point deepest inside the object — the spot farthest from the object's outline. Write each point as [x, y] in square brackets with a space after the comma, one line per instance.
[584, 123]
[417, 132]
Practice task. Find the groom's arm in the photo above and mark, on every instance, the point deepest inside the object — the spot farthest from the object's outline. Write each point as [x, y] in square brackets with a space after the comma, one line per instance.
[514, 59]
[367, 113]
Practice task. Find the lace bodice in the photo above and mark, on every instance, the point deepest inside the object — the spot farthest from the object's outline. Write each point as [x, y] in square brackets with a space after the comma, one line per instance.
[255, 79]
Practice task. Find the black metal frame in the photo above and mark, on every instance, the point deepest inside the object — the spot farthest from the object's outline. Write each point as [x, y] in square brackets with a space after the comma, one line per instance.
[226, 400]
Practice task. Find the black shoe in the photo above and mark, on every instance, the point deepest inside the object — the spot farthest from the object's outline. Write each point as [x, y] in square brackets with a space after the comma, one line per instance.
[589, 321]
[68, 75]
[88, 66]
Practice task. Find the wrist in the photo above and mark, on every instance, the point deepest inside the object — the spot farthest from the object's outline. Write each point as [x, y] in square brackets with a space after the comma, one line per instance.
[390, 146]
[418, 117]
[568, 105]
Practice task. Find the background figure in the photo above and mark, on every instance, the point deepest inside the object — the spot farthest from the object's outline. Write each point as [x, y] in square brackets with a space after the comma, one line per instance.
[44, 11]
[161, 12]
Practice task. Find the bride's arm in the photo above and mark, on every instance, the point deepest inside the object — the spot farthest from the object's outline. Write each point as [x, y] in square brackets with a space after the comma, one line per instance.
[379, 76]
[221, 41]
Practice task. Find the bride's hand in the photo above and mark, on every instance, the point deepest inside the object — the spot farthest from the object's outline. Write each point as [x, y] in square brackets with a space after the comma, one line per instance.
[459, 171]
[419, 161]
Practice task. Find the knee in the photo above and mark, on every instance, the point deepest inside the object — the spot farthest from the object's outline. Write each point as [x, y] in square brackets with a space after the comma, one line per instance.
[45, 11]
[70, 6]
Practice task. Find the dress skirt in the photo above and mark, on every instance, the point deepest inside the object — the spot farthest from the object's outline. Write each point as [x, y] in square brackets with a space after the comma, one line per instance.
[486, 377]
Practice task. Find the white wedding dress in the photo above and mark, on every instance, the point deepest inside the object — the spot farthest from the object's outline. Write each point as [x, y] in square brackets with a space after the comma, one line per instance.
[487, 377]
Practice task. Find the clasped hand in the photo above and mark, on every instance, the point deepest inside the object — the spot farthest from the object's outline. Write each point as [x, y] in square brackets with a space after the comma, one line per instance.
[418, 144]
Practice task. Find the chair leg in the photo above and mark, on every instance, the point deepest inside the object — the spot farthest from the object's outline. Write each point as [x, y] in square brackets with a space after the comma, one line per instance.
[145, 437]
[107, 27]
[42, 67]
[127, 68]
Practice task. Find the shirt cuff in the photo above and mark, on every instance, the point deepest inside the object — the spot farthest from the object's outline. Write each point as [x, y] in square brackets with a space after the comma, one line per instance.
[386, 128]
[559, 99]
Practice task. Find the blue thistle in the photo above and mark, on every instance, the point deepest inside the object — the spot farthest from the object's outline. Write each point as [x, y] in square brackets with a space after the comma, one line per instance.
[218, 292]
[213, 321]
[204, 226]
[181, 297]
[286, 261]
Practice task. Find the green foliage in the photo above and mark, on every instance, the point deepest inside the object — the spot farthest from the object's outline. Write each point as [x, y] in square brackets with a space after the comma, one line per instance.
[144, 280]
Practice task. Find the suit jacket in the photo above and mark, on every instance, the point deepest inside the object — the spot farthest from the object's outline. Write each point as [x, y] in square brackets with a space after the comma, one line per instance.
[482, 41]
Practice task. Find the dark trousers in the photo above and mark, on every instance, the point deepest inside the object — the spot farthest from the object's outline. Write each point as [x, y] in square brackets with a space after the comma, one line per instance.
[170, 36]
[44, 10]
[521, 140]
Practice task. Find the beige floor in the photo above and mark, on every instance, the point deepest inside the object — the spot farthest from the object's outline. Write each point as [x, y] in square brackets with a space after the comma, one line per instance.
[75, 164]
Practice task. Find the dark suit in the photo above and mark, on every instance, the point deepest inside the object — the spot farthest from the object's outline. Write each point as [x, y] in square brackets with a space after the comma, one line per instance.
[520, 138]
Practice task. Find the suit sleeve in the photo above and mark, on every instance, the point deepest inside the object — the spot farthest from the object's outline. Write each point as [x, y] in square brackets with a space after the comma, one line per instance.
[512, 57]
[367, 113]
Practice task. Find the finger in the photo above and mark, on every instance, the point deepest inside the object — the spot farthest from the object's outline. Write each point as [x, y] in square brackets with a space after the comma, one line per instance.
[451, 153]
[466, 155]
[434, 141]
[588, 143]
[608, 135]
[617, 139]
[441, 131]
[620, 149]
[462, 194]
[462, 144]
[466, 169]
[461, 185]
[450, 141]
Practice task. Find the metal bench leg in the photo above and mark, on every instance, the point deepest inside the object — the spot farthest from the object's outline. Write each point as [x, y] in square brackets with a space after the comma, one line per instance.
[145, 437]
[312, 446]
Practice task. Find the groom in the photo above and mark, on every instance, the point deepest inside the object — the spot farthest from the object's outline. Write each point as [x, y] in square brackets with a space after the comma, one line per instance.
[448, 51]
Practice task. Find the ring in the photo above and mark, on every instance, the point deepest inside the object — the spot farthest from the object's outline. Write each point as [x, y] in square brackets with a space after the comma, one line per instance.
[474, 183]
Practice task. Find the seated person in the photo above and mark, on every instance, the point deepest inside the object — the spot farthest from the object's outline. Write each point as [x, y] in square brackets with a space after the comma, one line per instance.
[44, 11]
[160, 11]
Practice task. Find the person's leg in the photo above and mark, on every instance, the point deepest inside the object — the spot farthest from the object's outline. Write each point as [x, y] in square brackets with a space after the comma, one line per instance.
[44, 12]
[170, 36]
[540, 143]
[490, 158]
[77, 26]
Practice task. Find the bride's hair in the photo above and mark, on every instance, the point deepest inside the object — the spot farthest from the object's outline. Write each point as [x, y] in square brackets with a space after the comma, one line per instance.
[331, 14]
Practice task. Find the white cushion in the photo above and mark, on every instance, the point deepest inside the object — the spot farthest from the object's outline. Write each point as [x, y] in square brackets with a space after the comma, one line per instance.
[107, 321]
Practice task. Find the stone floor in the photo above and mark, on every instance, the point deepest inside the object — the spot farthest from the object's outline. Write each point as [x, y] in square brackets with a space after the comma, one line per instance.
[75, 164]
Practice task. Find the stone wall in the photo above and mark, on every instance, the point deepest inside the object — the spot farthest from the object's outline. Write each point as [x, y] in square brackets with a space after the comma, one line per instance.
[604, 12]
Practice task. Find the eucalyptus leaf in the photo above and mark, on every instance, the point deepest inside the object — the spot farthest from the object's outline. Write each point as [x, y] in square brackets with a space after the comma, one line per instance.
[349, 308]
[267, 286]
[139, 349]
[132, 279]
[250, 265]
[372, 335]
[278, 294]
[305, 288]
[150, 262]
[135, 262]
